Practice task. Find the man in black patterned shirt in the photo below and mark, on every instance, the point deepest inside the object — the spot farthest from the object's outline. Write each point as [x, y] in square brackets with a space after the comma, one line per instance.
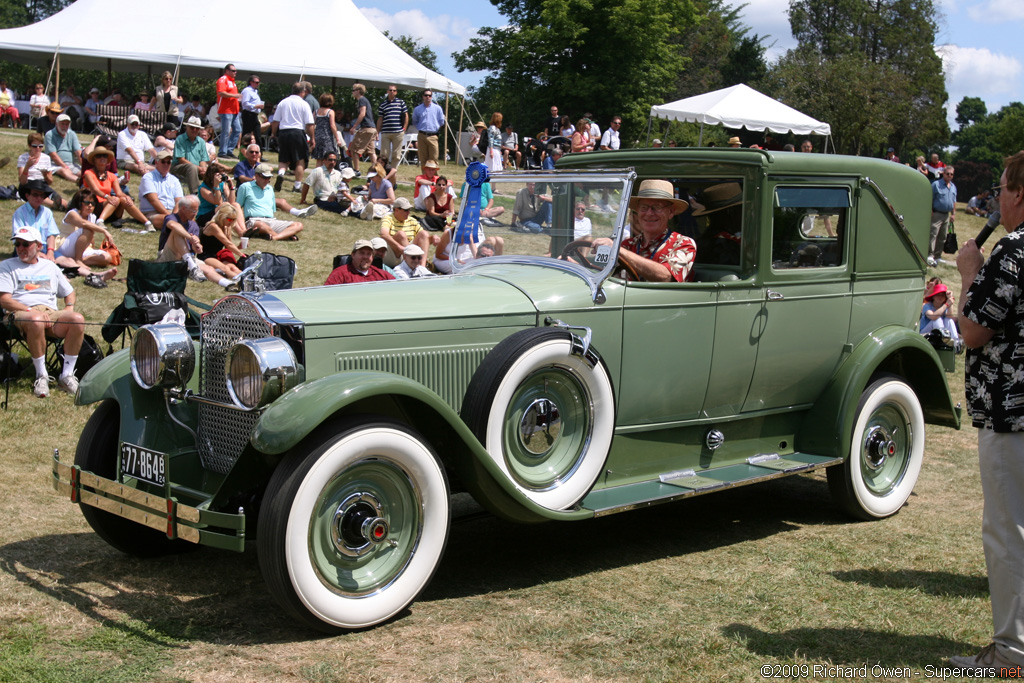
[992, 324]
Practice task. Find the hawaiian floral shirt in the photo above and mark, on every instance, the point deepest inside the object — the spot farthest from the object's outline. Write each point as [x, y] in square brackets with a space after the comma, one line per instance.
[674, 251]
[995, 372]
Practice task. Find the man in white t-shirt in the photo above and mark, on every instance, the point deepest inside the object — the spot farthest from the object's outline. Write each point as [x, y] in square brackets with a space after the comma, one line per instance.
[132, 145]
[29, 287]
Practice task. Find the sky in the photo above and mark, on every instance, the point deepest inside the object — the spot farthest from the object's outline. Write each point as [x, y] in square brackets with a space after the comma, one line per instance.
[980, 41]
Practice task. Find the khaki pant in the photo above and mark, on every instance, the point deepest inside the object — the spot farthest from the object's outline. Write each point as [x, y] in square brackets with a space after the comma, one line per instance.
[391, 146]
[1001, 459]
[426, 147]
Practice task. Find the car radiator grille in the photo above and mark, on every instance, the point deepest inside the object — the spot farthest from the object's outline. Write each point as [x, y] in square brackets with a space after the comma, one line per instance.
[224, 432]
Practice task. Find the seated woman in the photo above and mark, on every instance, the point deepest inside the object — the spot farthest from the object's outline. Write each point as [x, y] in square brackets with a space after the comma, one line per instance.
[113, 202]
[216, 190]
[78, 234]
[493, 246]
[144, 102]
[34, 165]
[440, 205]
[381, 194]
[218, 249]
[939, 313]
[424, 184]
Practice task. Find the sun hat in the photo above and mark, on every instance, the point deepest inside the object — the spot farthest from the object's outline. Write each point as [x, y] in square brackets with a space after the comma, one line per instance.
[430, 163]
[55, 107]
[347, 173]
[479, 124]
[28, 234]
[378, 243]
[194, 122]
[100, 150]
[265, 170]
[360, 244]
[403, 203]
[734, 141]
[718, 197]
[413, 250]
[939, 289]
[658, 189]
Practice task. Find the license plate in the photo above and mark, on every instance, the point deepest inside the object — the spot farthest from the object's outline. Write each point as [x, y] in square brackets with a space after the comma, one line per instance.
[143, 464]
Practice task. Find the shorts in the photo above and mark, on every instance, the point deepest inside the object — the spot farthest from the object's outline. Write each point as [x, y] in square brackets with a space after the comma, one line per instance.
[293, 147]
[363, 141]
[274, 224]
[42, 308]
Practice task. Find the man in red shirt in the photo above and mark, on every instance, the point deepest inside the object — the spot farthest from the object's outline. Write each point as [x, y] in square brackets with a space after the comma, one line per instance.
[228, 108]
[359, 268]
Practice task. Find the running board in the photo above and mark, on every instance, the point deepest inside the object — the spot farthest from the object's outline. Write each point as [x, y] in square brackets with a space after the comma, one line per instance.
[687, 483]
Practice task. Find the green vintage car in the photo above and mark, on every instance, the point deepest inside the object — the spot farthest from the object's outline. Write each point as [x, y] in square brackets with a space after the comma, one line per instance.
[337, 423]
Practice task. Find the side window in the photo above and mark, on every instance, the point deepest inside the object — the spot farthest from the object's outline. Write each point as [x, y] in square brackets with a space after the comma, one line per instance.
[809, 227]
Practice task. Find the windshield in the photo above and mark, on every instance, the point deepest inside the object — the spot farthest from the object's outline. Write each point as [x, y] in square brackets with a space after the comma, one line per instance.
[551, 217]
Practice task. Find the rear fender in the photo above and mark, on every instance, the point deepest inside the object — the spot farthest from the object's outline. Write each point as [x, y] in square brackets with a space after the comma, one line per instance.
[891, 349]
[289, 419]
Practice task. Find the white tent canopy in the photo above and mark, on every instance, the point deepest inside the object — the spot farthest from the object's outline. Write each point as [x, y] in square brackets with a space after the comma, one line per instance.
[740, 106]
[149, 37]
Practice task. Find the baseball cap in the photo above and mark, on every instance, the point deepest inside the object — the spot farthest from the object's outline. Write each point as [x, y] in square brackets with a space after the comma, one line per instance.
[413, 250]
[348, 173]
[265, 170]
[63, 117]
[165, 153]
[378, 243]
[360, 244]
[403, 203]
[133, 119]
[28, 234]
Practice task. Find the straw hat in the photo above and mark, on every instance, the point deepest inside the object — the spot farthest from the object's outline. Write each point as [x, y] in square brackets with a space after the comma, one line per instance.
[658, 189]
[99, 150]
[734, 141]
[718, 197]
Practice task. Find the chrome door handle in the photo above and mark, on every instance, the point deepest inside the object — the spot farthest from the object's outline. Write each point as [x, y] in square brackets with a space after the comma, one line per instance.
[775, 296]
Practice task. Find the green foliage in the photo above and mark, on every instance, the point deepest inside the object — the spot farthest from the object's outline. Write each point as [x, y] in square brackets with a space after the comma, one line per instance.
[874, 56]
[970, 110]
[987, 139]
[557, 52]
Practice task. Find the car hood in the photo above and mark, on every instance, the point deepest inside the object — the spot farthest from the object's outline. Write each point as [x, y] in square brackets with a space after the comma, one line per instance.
[500, 294]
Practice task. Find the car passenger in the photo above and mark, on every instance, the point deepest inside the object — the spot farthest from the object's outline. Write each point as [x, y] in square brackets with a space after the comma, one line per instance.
[656, 253]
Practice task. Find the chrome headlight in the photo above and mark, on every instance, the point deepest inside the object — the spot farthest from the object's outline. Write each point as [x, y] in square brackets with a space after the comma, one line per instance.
[260, 370]
[162, 356]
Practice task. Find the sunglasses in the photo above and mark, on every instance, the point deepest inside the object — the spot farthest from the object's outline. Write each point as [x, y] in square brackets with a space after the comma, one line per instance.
[37, 146]
[87, 201]
[162, 161]
[21, 244]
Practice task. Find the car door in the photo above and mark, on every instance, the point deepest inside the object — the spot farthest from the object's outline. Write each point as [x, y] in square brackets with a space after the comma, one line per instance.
[806, 278]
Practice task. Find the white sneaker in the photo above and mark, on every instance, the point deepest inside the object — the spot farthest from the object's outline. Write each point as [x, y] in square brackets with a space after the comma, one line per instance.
[308, 211]
[194, 273]
[68, 384]
[41, 387]
[931, 262]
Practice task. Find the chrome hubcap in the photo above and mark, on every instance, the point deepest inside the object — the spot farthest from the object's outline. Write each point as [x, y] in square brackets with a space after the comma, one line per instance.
[878, 446]
[358, 525]
[540, 426]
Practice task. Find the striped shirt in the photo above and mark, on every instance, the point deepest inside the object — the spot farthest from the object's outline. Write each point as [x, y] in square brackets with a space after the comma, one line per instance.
[392, 115]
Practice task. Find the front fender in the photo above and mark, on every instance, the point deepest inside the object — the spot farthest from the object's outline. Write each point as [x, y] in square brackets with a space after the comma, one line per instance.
[100, 381]
[296, 414]
[891, 349]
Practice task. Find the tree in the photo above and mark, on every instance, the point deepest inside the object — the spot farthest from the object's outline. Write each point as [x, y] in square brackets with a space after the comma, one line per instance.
[970, 110]
[892, 42]
[984, 140]
[559, 52]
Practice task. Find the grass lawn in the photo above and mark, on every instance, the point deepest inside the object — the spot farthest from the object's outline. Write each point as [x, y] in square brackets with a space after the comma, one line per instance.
[713, 588]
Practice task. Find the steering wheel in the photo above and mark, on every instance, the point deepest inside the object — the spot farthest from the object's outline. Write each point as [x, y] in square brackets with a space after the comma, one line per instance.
[575, 250]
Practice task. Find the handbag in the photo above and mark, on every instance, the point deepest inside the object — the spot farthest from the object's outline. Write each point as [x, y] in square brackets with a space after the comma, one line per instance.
[950, 246]
[112, 251]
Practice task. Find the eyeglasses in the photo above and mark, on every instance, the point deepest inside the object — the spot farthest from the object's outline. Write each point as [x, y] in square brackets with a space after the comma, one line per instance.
[37, 146]
[330, 159]
[392, 90]
[581, 208]
[998, 190]
[652, 208]
[87, 201]
[21, 244]
[415, 258]
[616, 123]
[163, 161]
[133, 124]
[428, 96]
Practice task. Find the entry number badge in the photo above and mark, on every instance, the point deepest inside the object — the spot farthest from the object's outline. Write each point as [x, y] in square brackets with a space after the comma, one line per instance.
[603, 254]
[143, 464]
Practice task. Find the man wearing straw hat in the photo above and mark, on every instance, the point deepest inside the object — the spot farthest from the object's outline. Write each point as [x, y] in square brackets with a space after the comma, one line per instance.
[656, 253]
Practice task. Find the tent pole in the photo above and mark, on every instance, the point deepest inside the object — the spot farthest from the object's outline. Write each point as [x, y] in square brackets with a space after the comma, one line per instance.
[55, 64]
[56, 97]
[650, 119]
[458, 132]
[447, 96]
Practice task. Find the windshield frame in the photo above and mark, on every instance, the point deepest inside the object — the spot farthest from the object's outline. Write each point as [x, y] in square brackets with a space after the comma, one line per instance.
[594, 278]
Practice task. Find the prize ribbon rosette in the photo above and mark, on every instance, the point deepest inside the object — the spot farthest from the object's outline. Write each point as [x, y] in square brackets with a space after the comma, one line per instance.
[469, 223]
